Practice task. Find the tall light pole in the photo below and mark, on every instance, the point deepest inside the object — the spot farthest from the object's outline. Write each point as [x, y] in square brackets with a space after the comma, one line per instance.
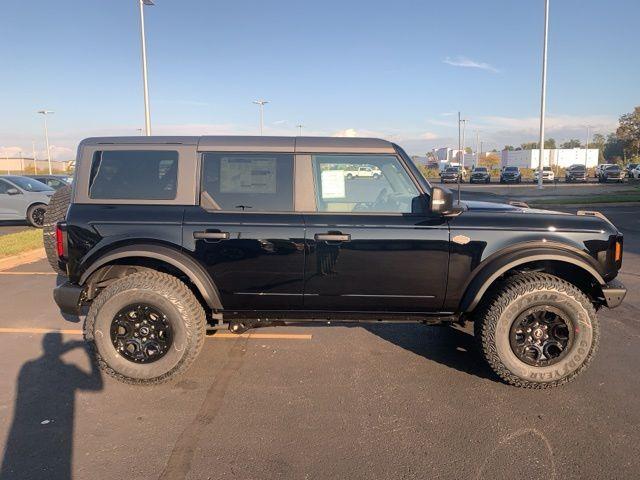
[262, 103]
[462, 123]
[44, 113]
[35, 160]
[477, 148]
[459, 150]
[586, 146]
[543, 96]
[299, 129]
[145, 85]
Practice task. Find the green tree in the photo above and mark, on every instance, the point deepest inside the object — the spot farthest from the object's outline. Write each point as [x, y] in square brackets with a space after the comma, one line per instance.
[573, 143]
[613, 148]
[629, 131]
[509, 148]
[549, 143]
[598, 141]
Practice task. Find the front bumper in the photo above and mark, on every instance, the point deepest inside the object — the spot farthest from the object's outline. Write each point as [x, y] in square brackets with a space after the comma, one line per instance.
[68, 296]
[613, 292]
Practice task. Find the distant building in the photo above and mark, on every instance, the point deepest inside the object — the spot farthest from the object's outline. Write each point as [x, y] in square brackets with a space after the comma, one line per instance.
[561, 157]
[446, 154]
[25, 165]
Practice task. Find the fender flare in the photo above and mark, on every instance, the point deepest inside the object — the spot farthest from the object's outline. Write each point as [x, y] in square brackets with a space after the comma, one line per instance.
[479, 283]
[198, 275]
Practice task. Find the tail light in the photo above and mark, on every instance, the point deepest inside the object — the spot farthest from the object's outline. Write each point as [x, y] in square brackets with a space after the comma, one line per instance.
[61, 240]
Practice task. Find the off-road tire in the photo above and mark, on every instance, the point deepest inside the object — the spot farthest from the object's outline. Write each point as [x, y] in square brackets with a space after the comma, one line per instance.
[507, 300]
[160, 290]
[56, 212]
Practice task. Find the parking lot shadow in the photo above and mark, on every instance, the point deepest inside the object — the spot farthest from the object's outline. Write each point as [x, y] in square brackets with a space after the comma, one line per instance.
[449, 346]
[40, 442]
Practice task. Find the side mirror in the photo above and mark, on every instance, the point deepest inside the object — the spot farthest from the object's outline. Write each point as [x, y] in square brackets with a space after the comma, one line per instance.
[441, 200]
[13, 191]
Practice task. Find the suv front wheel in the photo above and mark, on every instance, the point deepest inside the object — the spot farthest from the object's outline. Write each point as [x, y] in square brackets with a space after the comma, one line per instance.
[145, 328]
[537, 331]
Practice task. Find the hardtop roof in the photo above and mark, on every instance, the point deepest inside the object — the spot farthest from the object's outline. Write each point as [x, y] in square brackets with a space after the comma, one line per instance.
[256, 143]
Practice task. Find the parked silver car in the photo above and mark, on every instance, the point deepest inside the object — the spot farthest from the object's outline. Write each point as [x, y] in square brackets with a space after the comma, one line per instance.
[23, 198]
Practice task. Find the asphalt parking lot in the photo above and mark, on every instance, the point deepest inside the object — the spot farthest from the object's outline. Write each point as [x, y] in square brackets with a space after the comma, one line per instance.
[339, 401]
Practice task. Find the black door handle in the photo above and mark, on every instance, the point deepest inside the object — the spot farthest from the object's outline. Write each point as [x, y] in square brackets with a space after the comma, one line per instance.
[211, 235]
[332, 237]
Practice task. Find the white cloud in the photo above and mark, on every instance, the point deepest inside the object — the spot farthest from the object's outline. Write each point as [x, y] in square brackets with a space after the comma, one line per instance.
[429, 136]
[465, 62]
[347, 132]
[552, 123]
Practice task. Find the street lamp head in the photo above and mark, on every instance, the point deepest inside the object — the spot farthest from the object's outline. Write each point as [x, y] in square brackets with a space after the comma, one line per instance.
[261, 102]
[45, 112]
[148, 2]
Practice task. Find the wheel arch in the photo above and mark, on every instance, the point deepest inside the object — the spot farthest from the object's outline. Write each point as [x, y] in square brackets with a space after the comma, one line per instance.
[566, 264]
[33, 204]
[150, 255]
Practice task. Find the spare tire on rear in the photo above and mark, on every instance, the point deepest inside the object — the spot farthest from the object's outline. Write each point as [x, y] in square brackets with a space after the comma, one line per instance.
[56, 211]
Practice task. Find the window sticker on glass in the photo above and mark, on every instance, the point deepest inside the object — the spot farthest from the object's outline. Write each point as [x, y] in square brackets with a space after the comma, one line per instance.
[248, 175]
[333, 185]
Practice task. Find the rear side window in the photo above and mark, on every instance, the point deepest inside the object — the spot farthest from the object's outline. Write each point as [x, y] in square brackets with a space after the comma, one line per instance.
[134, 175]
[261, 182]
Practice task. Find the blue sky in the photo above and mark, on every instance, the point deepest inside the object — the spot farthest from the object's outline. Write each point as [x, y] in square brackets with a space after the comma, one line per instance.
[392, 69]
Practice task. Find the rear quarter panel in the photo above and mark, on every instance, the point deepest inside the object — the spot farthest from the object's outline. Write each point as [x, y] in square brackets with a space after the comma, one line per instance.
[94, 230]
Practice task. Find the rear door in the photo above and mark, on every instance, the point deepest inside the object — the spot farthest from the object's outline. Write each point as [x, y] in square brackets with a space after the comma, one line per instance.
[245, 231]
[372, 244]
[11, 206]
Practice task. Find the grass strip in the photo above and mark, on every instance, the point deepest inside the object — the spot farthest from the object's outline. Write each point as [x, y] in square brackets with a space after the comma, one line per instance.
[15, 243]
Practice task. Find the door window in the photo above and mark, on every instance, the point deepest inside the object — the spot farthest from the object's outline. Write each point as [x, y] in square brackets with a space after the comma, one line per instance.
[4, 186]
[134, 174]
[391, 190]
[260, 182]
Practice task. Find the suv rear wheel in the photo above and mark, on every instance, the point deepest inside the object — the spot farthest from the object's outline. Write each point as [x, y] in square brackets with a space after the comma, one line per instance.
[537, 331]
[145, 328]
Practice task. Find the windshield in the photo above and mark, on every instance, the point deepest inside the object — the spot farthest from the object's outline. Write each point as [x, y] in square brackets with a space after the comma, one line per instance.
[30, 184]
[546, 169]
[480, 169]
[613, 167]
[578, 167]
[452, 170]
[511, 169]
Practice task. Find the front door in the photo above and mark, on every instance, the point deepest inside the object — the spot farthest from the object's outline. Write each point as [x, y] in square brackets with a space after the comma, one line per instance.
[245, 231]
[12, 206]
[371, 246]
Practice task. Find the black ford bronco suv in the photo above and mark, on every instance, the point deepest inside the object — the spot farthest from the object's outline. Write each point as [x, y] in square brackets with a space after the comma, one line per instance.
[165, 237]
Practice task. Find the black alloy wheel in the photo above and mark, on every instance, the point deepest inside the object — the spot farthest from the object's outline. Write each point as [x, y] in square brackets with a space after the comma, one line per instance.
[36, 215]
[141, 333]
[541, 336]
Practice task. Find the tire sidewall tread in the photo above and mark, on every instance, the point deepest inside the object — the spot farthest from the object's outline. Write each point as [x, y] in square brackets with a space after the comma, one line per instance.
[185, 309]
[512, 296]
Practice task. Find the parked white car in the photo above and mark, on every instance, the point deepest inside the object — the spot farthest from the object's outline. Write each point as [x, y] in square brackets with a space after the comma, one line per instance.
[363, 172]
[635, 173]
[547, 175]
[23, 198]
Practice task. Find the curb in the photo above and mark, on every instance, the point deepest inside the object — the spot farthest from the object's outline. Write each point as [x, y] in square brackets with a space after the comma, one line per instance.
[22, 258]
